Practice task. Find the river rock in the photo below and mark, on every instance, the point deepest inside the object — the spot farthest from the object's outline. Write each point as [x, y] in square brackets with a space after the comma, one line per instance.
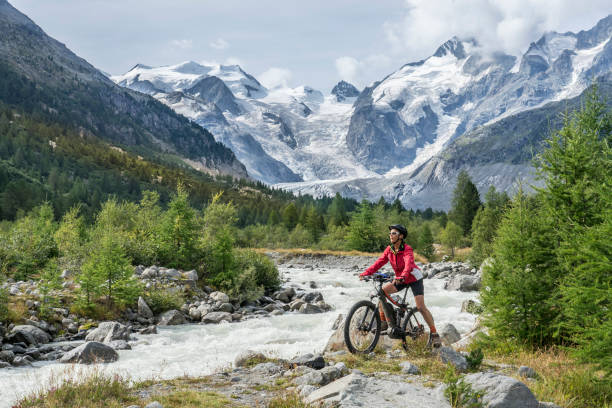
[308, 308]
[7, 356]
[225, 307]
[171, 318]
[28, 334]
[143, 309]
[220, 297]
[149, 330]
[217, 317]
[309, 360]
[449, 334]
[296, 304]
[154, 404]
[90, 352]
[22, 361]
[463, 283]
[119, 345]
[109, 331]
[501, 391]
[267, 368]
[409, 368]
[243, 358]
[448, 355]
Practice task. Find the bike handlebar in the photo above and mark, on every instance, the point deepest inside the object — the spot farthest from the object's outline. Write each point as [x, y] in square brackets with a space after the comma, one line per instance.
[381, 277]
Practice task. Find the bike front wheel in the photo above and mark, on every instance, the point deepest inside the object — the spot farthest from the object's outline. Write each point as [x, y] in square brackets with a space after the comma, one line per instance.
[362, 327]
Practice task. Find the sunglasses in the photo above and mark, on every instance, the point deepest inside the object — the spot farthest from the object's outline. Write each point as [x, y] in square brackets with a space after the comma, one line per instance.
[394, 233]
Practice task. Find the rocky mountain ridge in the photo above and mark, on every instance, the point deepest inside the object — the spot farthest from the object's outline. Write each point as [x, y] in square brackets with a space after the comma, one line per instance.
[40, 75]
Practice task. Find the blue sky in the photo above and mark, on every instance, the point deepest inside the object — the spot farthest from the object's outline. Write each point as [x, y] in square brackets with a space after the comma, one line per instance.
[293, 43]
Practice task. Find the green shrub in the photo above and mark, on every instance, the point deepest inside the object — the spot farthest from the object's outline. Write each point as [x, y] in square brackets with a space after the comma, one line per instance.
[4, 310]
[474, 359]
[50, 283]
[458, 392]
[162, 300]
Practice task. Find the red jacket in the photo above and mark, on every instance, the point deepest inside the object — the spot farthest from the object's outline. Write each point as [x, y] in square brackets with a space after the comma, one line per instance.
[402, 263]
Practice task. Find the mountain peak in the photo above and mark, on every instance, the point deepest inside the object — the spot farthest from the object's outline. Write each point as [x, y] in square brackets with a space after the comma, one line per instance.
[344, 90]
[191, 67]
[454, 46]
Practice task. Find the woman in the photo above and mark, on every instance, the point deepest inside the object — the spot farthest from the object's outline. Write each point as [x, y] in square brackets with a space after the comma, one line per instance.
[407, 273]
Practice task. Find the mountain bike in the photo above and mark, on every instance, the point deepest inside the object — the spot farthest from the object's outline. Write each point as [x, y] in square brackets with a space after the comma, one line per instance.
[362, 327]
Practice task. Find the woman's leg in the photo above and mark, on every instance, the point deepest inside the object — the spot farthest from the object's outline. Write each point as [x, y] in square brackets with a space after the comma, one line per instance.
[420, 304]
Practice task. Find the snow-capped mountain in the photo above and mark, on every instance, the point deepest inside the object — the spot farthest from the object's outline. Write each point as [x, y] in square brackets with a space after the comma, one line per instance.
[281, 135]
[393, 138]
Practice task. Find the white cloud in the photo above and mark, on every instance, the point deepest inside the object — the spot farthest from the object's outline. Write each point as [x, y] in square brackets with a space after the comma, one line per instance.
[219, 44]
[348, 68]
[275, 78]
[499, 25]
[184, 44]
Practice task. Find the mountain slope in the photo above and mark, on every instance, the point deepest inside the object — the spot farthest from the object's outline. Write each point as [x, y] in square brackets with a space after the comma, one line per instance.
[42, 76]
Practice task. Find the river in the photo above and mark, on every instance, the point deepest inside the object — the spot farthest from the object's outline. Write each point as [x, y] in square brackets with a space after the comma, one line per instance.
[197, 350]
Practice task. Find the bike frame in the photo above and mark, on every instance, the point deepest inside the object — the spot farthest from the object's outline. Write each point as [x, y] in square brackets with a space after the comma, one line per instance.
[387, 301]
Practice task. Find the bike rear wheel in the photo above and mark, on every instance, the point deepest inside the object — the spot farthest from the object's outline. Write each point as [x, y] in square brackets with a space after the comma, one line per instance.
[412, 325]
[362, 327]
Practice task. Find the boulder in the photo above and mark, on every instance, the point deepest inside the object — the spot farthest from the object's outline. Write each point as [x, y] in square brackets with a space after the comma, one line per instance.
[90, 352]
[267, 368]
[409, 368]
[313, 361]
[171, 318]
[220, 297]
[296, 304]
[109, 331]
[217, 317]
[7, 356]
[225, 307]
[448, 355]
[463, 283]
[308, 308]
[449, 334]
[30, 335]
[501, 391]
[246, 356]
[143, 309]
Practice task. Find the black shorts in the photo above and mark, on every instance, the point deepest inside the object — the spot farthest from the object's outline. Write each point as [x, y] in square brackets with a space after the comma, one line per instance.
[417, 287]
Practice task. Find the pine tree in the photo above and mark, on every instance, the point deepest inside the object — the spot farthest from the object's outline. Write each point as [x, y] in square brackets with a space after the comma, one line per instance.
[518, 286]
[426, 241]
[484, 226]
[337, 211]
[451, 236]
[178, 232]
[465, 204]
[362, 234]
[290, 216]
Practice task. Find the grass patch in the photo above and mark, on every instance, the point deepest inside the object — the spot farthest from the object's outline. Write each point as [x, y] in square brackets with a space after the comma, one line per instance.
[93, 390]
[288, 401]
[561, 378]
[186, 398]
[17, 311]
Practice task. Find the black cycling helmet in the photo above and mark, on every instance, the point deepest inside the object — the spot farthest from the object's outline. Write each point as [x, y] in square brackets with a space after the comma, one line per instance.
[402, 230]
